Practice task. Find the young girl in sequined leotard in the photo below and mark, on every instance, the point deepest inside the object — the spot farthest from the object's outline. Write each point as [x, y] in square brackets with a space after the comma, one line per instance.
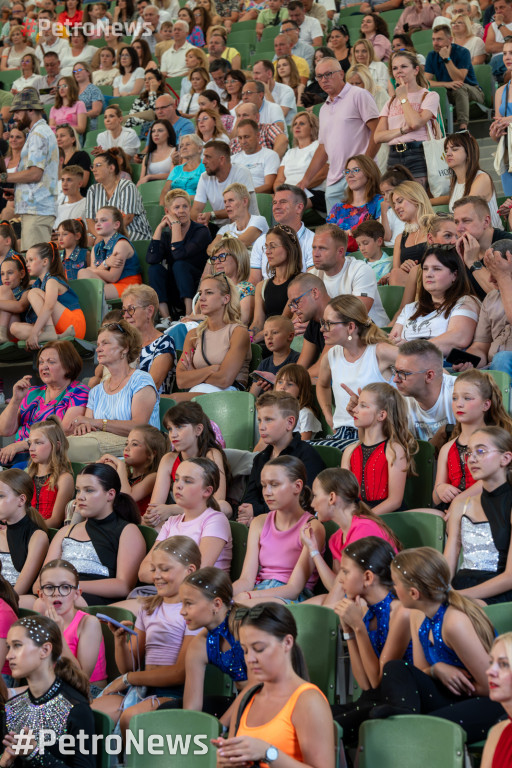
[477, 402]
[451, 638]
[382, 458]
[374, 623]
[480, 526]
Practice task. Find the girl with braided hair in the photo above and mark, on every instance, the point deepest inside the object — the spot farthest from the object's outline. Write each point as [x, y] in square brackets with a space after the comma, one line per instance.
[54, 307]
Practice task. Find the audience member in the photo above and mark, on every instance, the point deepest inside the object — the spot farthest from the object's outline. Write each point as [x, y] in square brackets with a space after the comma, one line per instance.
[262, 163]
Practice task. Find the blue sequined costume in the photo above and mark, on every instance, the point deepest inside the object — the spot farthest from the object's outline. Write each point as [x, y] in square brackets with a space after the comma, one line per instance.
[438, 650]
[231, 662]
[381, 612]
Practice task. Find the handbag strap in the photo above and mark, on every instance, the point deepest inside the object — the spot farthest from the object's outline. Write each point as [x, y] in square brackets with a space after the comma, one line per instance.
[203, 352]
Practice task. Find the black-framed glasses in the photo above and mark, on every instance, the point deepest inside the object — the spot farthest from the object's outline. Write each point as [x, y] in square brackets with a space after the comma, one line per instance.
[294, 303]
[326, 75]
[403, 375]
[219, 257]
[109, 326]
[326, 324]
[63, 590]
[129, 311]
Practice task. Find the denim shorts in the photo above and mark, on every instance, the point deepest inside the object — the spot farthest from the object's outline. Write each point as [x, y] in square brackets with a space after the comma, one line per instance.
[270, 583]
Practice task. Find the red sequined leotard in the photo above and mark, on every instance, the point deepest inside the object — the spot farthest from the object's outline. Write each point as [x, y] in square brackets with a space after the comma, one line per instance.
[370, 466]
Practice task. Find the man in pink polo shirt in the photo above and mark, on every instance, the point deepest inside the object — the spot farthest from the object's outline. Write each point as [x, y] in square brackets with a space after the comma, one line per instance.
[348, 120]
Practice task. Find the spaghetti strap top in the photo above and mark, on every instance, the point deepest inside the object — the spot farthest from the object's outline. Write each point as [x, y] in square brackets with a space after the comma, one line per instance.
[457, 466]
[370, 466]
[279, 731]
[414, 252]
[71, 637]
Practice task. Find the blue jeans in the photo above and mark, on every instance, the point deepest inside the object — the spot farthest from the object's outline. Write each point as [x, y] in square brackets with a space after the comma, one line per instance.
[506, 180]
[502, 361]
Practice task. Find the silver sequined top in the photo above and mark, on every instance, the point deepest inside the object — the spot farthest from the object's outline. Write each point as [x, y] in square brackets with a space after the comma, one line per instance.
[83, 556]
[480, 553]
[9, 572]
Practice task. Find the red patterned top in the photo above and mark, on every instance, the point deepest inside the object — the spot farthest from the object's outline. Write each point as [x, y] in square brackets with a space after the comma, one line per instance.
[458, 470]
[370, 465]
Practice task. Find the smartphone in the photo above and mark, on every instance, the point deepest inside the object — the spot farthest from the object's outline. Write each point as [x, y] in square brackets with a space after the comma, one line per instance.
[266, 376]
[109, 620]
[458, 356]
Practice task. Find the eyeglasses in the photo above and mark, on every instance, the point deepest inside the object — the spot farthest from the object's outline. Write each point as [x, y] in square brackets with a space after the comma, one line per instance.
[129, 311]
[479, 452]
[116, 326]
[272, 247]
[63, 85]
[63, 590]
[326, 324]
[351, 171]
[402, 375]
[248, 93]
[220, 257]
[294, 303]
[326, 75]
[76, 71]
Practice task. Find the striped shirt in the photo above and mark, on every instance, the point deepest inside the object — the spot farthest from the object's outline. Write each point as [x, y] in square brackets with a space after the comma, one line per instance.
[119, 405]
[127, 198]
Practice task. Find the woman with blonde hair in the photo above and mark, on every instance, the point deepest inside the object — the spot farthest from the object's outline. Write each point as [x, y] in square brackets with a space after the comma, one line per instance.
[359, 354]
[209, 126]
[410, 204]
[463, 35]
[68, 107]
[29, 73]
[232, 257]
[304, 129]
[13, 54]
[199, 79]
[361, 76]
[194, 58]
[287, 73]
[363, 52]
[242, 223]
[403, 120]
[216, 354]
[362, 198]
[284, 258]
[498, 747]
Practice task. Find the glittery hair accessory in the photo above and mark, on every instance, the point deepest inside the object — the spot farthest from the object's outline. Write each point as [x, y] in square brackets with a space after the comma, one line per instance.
[35, 631]
[200, 582]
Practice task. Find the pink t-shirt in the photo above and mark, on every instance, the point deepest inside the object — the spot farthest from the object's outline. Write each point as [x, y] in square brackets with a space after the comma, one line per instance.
[7, 619]
[165, 630]
[68, 114]
[394, 112]
[343, 129]
[71, 636]
[280, 550]
[360, 527]
[210, 523]
[381, 46]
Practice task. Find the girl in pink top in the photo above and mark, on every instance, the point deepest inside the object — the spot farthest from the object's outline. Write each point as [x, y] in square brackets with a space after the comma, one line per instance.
[162, 639]
[277, 566]
[68, 108]
[82, 636]
[336, 497]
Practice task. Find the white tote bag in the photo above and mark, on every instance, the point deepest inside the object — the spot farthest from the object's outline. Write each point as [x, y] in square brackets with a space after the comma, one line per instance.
[437, 167]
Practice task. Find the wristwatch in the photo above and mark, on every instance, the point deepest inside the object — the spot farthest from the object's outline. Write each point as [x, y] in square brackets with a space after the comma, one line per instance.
[104, 423]
[402, 101]
[125, 679]
[475, 266]
[447, 59]
[271, 754]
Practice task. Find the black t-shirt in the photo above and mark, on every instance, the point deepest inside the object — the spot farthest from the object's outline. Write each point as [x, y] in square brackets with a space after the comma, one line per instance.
[315, 335]
[268, 363]
[497, 234]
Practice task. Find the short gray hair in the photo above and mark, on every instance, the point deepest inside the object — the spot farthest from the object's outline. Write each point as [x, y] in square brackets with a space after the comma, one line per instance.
[194, 138]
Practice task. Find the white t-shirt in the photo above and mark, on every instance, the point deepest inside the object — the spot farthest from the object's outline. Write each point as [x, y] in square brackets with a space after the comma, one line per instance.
[296, 160]
[435, 323]
[209, 189]
[285, 97]
[308, 422]
[259, 222]
[424, 424]
[309, 29]
[396, 226]
[126, 88]
[260, 164]
[271, 113]
[259, 256]
[68, 64]
[127, 140]
[358, 279]
[475, 46]
[498, 35]
[70, 211]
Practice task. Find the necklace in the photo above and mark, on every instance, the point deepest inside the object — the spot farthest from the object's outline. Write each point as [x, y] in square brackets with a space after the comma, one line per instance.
[112, 389]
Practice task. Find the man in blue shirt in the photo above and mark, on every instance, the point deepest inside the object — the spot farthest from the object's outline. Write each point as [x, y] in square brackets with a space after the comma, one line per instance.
[449, 65]
[165, 109]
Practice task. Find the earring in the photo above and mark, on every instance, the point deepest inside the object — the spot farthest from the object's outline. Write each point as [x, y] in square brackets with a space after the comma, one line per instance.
[349, 338]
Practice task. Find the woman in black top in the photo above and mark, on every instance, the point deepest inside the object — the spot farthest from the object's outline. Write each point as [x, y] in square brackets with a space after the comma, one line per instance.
[182, 243]
[56, 699]
[410, 203]
[284, 257]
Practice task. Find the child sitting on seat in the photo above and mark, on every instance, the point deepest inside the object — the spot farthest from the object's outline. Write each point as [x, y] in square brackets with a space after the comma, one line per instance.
[72, 239]
[278, 333]
[369, 236]
[50, 470]
[13, 293]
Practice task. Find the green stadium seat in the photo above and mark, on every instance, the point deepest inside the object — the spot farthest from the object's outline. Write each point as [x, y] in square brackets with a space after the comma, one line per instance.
[317, 635]
[175, 83]
[154, 215]
[418, 488]
[239, 532]
[106, 89]
[408, 741]
[391, 17]
[216, 683]
[91, 138]
[136, 172]
[98, 43]
[193, 729]
[149, 534]
[141, 248]
[391, 296]
[124, 103]
[8, 77]
[166, 403]
[500, 615]
[486, 82]
[251, 25]
[268, 35]
[330, 454]
[103, 726]
[119, 614]
[417, 529]
[446, 108]
[234, 413]
[265, 206]
[150, 191]
[256, 355]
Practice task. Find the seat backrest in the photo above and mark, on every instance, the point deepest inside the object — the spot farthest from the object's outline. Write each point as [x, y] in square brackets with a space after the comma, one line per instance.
[90, 294]
[417, 529]
[330, 454]
[391, 296]
[317, 635]
[166, 403]
[103, 726]
[265, 206]
[418, 488]
[185, 739]
[409, 741]
[500, 614]
[239, 533]
[119, 614]
[234, 413]
[149, 536]
[141, 248]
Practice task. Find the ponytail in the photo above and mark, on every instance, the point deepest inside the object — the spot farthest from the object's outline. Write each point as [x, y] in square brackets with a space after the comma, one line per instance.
[482, 624]
[73, 676]
[123, 504]
[22, 485]
[125, 507]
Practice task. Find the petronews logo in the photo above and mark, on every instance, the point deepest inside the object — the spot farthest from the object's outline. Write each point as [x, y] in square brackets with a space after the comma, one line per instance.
[90, 28]
[140, 742]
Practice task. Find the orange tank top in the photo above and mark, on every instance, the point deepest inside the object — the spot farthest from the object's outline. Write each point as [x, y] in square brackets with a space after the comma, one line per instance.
[279, 731]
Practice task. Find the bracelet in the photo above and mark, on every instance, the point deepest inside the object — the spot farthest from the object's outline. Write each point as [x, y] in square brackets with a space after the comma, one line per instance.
[125, 678]
[432, 673]
[348, 636]
[314, 553]
[249, 595]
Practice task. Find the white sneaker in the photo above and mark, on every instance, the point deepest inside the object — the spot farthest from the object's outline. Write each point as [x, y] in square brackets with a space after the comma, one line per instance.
[164, 324]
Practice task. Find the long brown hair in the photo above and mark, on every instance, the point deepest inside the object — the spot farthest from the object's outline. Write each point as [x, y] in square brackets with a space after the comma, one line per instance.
[58, 463]
[496, 416]
[460, 287]
[290, 243]
[426, 569]
[470, 146]
[372, 173]
[21, 484]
